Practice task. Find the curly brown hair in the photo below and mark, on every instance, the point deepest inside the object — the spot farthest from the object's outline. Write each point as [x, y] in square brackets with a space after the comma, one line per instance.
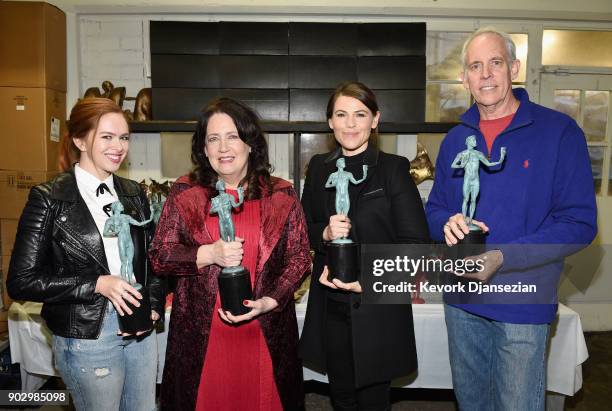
[249, 130]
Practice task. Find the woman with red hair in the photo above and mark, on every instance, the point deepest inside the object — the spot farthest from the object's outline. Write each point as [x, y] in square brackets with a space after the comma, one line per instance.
[61, 259]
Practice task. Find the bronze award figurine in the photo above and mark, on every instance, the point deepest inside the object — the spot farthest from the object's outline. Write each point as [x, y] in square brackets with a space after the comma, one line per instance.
[234, 282]
[118, 225]
[470, 159]
[343, 253]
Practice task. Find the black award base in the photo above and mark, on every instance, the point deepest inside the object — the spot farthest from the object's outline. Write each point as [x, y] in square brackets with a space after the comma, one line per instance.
[343, 261]
[140, 319]
[234, 288]
[472, 244]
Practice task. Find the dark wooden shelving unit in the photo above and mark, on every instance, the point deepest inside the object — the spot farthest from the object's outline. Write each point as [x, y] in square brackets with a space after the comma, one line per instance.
[291, 127]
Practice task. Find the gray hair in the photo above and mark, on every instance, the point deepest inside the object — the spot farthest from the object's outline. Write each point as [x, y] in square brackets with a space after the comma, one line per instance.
[510, 46]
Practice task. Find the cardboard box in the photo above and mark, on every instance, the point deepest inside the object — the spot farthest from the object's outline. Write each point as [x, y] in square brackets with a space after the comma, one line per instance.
[33, 46]
[8, 230]
[4, 319]
[32, 121]
[15, 187]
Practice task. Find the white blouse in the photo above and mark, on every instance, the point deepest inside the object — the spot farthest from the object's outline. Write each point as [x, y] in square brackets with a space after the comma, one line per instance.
[88, 184]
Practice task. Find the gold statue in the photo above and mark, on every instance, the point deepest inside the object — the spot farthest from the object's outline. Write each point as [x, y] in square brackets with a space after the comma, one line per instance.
[421, 168]
[117, 94]
[143, 109]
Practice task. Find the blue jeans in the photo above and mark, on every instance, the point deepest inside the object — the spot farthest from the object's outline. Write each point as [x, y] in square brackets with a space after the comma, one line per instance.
[496, 366]
[110, 372]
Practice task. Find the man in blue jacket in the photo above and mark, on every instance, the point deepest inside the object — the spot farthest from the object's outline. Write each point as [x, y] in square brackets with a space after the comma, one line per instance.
[537, 207]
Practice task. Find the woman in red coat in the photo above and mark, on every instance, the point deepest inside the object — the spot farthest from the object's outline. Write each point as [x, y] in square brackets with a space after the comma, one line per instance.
[215, 360]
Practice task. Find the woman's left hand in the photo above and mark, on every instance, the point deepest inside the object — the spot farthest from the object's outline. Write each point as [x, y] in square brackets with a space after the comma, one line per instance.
[258, 307]
[336, 284]
[154, 318]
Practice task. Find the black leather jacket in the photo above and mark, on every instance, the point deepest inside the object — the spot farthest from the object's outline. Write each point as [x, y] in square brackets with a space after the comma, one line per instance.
[59, 255]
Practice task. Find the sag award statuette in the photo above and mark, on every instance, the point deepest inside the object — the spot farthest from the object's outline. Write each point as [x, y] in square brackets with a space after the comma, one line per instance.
[343, 253]
[469, 160]
[234, 282]
[118, 225]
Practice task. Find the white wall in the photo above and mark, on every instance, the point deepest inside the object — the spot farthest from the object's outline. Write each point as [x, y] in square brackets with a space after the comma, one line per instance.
[112, 48]
[542, 9]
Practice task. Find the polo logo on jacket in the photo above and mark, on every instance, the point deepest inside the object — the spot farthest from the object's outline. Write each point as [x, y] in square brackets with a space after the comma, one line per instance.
[526, 163]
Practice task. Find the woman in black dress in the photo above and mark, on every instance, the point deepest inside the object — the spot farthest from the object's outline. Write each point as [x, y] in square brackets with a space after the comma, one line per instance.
[360, 347]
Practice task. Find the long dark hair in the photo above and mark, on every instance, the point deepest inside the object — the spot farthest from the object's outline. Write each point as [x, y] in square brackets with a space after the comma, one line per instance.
[249, 131]
[84, 117]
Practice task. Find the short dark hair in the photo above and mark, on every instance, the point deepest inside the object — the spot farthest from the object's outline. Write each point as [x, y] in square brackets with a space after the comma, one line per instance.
[249, 131]
[362, 93]
[356, 90]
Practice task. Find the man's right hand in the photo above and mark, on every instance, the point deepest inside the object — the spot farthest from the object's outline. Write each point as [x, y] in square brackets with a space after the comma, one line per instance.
[339, 227]
[456, 228]
[222, 253]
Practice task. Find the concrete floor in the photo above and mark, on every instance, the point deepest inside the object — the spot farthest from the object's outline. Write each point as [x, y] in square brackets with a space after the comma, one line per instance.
[402, 399]
[596, 393]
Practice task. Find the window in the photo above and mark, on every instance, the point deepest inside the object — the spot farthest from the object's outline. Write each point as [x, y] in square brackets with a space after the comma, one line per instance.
[577, 48]
[590, 110]
[446, 98]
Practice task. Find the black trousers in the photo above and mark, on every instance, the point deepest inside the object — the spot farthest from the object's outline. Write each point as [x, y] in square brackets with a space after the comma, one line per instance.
[340, 366]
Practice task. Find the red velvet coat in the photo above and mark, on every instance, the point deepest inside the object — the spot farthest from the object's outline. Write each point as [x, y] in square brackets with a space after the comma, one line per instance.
[282, 263]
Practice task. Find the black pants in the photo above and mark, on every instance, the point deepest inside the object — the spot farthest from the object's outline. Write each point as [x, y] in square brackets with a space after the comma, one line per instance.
[340, 368]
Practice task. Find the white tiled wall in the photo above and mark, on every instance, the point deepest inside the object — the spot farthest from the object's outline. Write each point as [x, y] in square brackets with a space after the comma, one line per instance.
[113, 49]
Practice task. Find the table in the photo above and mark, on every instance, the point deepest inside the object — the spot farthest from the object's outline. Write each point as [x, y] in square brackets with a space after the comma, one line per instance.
[566, 351]
[30, 342]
